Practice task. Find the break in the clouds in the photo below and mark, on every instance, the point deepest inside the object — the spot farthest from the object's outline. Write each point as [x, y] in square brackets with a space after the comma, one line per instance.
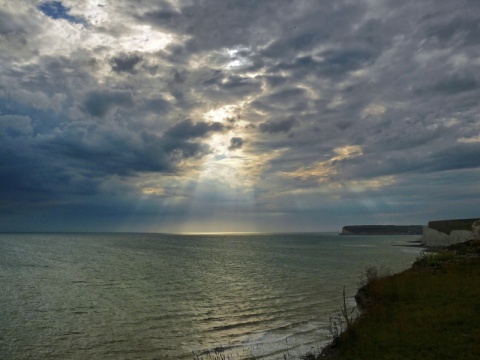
[57, 10]
[229, 115]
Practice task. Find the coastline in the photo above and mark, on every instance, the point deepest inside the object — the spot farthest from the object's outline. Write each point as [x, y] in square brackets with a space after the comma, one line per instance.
[443, 272]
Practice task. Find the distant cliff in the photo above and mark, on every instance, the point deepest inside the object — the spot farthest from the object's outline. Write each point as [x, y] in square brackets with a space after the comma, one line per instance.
[382, 230]
[448, 232]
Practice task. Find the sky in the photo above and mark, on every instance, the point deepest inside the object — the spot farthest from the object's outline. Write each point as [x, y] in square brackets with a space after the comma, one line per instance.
[237, 115]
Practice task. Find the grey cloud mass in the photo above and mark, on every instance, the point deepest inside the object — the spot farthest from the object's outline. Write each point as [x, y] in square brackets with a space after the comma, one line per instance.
[98, 103]
[277, 126]
[292, 115]
[235, 143]
[187, 129]
[125, 62]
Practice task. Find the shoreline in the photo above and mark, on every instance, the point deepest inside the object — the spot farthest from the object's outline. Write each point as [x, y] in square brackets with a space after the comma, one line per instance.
[445, 264]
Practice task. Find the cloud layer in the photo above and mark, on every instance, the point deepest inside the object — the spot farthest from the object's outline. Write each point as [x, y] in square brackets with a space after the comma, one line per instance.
[227, 115]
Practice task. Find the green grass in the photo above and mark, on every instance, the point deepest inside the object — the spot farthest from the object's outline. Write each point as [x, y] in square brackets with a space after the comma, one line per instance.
[431, 311]
[436, 259]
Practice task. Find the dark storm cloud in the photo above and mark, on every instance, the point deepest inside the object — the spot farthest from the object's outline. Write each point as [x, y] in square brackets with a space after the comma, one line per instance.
[287, 95]
[34, 175]
[235, 82]
[208, 24]
[341, 61]
[296, 43]
[107, 150]
[360, 49]
[15, 125]
[285, 99]
[459, 156]
[373, 165]
[99, 102]
[461, 28]
[44, 74]
[333, 63]
[230, 88]
[213, 78]
[276, 80]
[158, 106]
[455, 84]
[104, 151]
[79, 159]
[166, 17]
[235, 143]
[187, 129]
[278, 126]
[125, 62]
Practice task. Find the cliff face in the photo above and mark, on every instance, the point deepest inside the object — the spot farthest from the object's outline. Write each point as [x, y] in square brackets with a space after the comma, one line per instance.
[447, 226]
[448, 232]
[432, 237]
[382, 230]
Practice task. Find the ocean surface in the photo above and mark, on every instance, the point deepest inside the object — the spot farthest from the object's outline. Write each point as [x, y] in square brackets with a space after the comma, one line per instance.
[159, 296]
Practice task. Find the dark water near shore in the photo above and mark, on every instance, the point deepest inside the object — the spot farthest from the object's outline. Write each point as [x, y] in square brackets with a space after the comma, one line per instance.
[156, 296]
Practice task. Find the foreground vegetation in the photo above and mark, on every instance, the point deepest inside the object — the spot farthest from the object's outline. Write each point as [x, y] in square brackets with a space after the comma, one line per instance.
[431, 311]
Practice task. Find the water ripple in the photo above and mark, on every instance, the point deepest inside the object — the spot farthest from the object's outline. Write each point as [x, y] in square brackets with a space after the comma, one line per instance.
[147, 296]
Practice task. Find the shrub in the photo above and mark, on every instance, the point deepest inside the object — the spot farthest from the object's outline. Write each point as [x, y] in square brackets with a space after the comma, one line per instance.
[434, 259]
[372, 273]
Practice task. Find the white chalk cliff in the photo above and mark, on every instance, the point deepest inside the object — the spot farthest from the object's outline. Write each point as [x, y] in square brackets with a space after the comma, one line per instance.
[432, 237]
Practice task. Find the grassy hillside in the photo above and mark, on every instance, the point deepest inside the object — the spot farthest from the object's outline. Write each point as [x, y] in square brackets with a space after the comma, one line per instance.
[431, 311]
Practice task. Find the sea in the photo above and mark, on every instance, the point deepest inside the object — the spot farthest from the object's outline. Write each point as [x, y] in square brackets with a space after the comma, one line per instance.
[163, 296]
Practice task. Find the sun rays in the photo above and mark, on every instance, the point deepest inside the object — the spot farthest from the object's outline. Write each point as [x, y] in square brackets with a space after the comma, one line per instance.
[224, 180]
